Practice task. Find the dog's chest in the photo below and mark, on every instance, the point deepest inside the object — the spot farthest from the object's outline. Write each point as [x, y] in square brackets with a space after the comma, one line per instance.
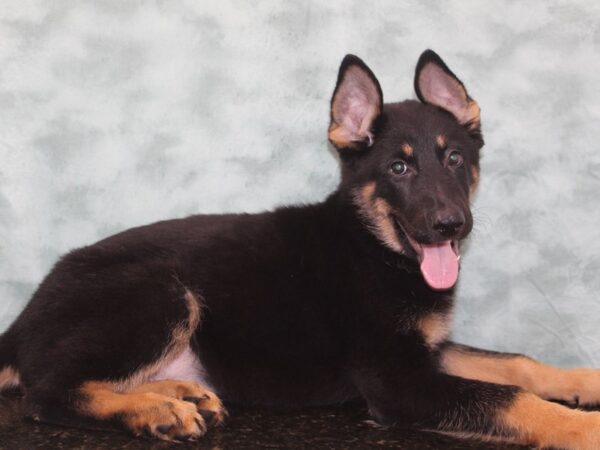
[435, 327]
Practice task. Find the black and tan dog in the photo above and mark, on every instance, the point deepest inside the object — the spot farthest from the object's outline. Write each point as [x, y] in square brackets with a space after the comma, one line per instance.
[308, 305]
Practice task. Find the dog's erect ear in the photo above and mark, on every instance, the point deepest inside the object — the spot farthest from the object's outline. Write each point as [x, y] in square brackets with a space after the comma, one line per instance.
[356, 103]
[437, 85]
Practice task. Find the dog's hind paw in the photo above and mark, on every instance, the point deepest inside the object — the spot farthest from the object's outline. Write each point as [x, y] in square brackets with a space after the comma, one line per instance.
[207, 403]
[170, 420]
[210, 408]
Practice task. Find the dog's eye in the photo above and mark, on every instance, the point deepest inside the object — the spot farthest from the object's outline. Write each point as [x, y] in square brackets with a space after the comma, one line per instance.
[399, 167]
[455, 159]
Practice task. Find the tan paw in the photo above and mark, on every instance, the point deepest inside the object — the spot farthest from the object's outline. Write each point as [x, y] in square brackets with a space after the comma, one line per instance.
[207, 402]
[165, 418]
[209, 406]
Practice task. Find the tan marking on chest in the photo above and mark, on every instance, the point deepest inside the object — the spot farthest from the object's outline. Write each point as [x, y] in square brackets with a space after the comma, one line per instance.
[435, 328]
[9, 377]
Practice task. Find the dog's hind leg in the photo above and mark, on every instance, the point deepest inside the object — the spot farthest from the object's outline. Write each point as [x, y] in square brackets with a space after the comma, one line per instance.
[572, 386]
[113, 364]
[208, 404]
[176, 410]
[167, 409]
[142, 413]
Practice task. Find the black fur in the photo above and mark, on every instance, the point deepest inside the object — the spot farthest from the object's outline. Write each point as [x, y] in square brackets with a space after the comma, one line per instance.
[300, 306]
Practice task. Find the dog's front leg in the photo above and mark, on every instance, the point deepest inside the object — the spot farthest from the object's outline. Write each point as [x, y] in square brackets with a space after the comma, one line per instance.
[573, 386]
[438, 401]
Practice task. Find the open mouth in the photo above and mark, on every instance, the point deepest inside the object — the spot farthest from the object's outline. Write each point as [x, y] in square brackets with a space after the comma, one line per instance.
[439, 262]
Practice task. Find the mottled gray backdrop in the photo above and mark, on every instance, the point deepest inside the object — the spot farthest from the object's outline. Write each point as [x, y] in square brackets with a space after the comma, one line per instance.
[119, 113]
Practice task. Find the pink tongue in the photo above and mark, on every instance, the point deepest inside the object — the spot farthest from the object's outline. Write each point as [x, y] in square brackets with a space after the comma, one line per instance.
[439, 265]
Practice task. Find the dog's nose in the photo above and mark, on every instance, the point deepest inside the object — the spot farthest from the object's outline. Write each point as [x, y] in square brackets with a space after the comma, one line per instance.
[449, 223]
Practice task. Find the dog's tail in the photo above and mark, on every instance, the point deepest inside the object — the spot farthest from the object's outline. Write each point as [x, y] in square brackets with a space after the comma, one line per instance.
[9, 376]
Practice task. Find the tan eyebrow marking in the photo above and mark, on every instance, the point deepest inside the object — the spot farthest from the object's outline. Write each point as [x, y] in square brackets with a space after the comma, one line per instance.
[407, 149]
[441, 141]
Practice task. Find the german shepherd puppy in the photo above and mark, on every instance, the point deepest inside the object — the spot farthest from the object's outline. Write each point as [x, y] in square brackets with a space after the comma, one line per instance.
[309, 305]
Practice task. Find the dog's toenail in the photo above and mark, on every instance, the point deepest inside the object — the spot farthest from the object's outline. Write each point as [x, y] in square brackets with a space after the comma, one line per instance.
[164, 429]
[201, 426]
[208, 416]
[192, 399]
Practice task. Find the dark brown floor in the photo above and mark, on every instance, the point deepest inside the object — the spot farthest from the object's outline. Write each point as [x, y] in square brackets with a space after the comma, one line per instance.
[331, 428]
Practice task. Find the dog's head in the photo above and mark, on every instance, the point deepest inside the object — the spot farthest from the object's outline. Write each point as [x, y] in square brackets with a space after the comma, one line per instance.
[410, 167]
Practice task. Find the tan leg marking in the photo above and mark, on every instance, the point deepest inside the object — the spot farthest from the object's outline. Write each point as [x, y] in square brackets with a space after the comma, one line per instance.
[208, 404]
[569, 385]
[546, 424]
[146, 412]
